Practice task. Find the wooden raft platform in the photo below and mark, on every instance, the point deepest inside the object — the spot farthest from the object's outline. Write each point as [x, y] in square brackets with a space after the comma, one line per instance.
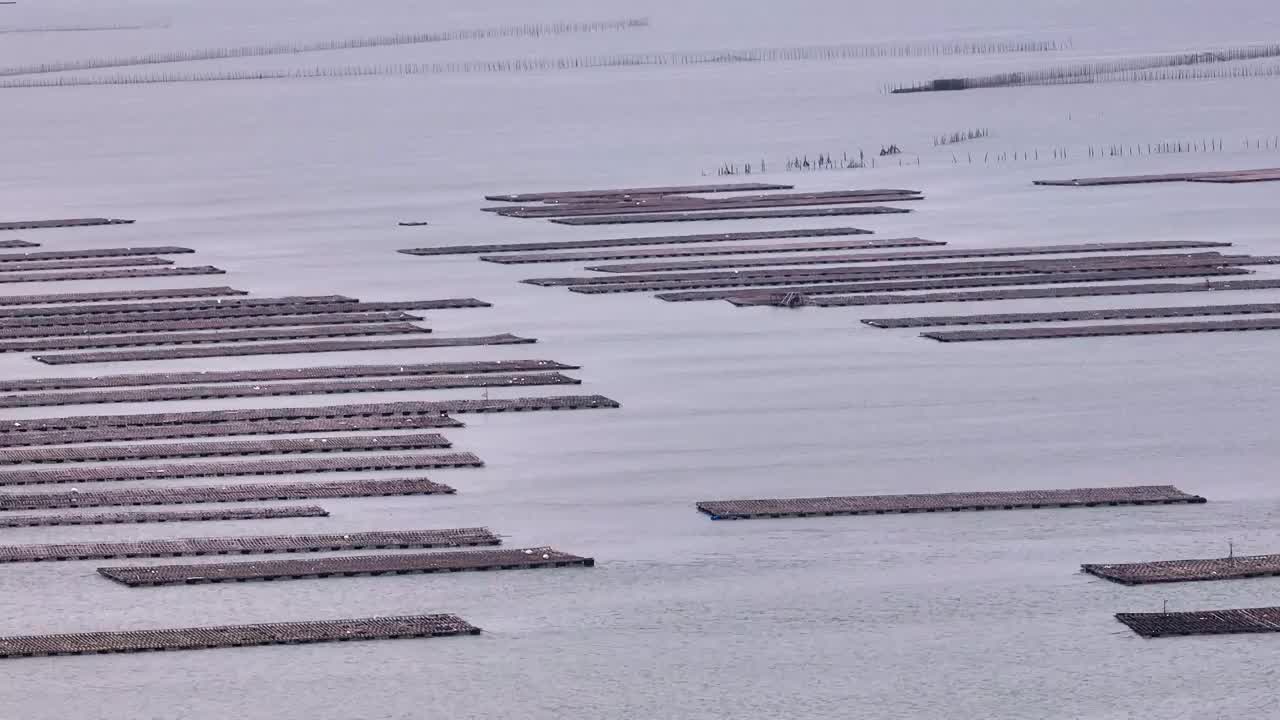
[1025, 293]
[162, 516]
[945, 502]
[222, 494]
[325, 346]
[61, 223]
[1057, 333]
[95, 306]
[1072, 315]
[672, 204]
[1257, 175]
[616, 192]
[119, 295]
[707, 250]
[910, 255]
[238, 469]
[225, 429]
[223, 636]
[1203, 622]
[94, 253]
[276, 446]
[730, 215]
[771, 295]
[424, 407]
[322, 346]
[269, 374]
[119, 274]
[1166, 571]
[633, 241]
[17, 244]
[350, 566]
[275, 314]
[252, 545]
[203, 338]
[326, 387]
[89, 327]
[84, 264]
[229, 307]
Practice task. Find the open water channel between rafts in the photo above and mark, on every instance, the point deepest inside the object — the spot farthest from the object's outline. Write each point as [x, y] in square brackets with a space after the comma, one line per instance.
[296, 187]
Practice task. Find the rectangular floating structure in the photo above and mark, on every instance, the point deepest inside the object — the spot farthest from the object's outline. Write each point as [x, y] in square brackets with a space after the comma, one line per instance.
[162, 516]
[424, 407]
[269, 374]
[231, 448]
[1218, 176]
[731, 215]
[1165, 571]
[89, 327]
[252, 545]
[732, 277]
[614, 192]
[945, 502]
[1248, 177]
[1203, 622]
[1054, 333]
[215, 303]
[94, 253]
[669, 204]
[120, 274]
[350, 566]
[222, 494]
[203, 338]
[1031, 293]
[70, 222]
[224, 636]
[86, 264]
[280, 349]
[117, 473]
[118, 295]
[635, 241]
[1073, 315]
[704, 250]
[770, 296]
[225, 429]
[320, 387]
[17, 244]
[945, 254]
[118, 314]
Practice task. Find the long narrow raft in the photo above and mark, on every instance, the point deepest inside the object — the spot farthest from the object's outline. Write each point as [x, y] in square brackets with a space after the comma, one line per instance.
[1056, 333]
[17, 244]
[202, 338]
[90, 328]
[944, 502]
[425, 407]
[231, 448]
[321, 346]
[770, 296]
[707, 250]
[324, 387]
[1166, 571]
[268, 374]
[1071, 315]
[118, 295]
[252, 545]
[119, 274]
[730, 215]
[100, 304]
[83, 264]
[350, 566]
[71, 323]
[222, 494]
[669, 204]
[238, 469]
[911, 255]
[162, 516]
[1203, 622]
[94, 253]
[226, 429]
[634, 241]
[61, 223]
[223, 636]
[623, 192]
[1023, 293]
[223, 308]
[1203, 176]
